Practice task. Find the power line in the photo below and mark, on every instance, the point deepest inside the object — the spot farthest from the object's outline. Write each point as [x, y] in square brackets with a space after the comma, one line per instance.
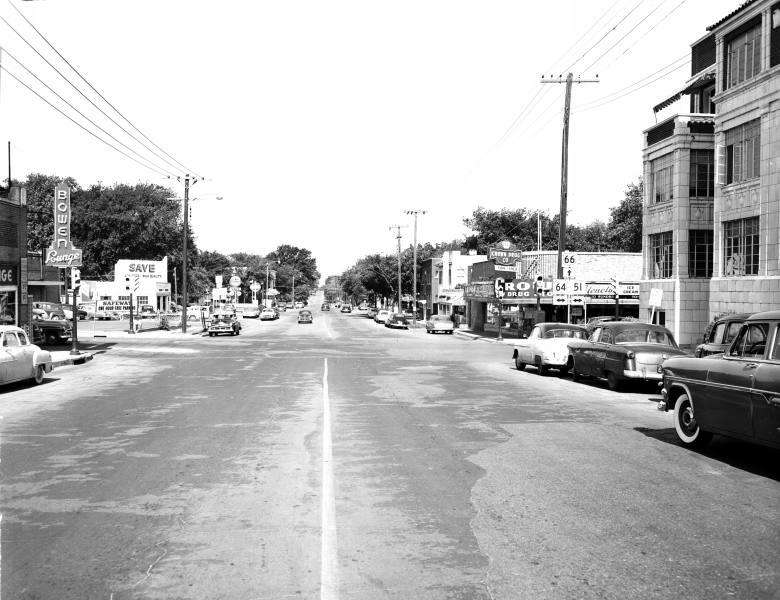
[83, 115]
[625, 35]
[652, 28]
[2, 67]
[93, 89]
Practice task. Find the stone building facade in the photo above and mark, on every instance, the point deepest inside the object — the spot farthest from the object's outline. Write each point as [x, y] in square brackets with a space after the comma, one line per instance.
[712, 180]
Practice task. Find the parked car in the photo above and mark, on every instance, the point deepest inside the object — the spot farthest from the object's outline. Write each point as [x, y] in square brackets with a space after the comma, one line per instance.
[593, 322]
[224, 322]
[51, 331]
[396, 321]
[621, 351]
[89, 309]
[736, 394]
[68, 310]
[546, 347]
[719, 334]
[371, 312]
[281, 307]
[439, 324]
[19, 358]
[298, 305]
[304, 316]
[381, 316]
[147, 311]
[52, 310]
[268, 314]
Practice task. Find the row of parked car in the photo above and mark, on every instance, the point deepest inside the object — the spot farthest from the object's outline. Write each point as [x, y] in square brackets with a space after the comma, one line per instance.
[730, 385]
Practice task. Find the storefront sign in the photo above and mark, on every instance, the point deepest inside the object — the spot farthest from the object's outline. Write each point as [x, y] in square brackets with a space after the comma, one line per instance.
[628, 290]
[61, 253]
[519, 288]
[506, 253]
[8, 274]
[143, 269]
[480, 290]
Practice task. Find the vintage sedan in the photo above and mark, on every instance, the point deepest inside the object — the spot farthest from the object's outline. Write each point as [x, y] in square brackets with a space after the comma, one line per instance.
[546, 347]
[439, 324]
[396, 321]
[719, 334]
[622, 351]
[20, 359]
[224, 322]
[736, 394]
[305, 316]
[268, 314]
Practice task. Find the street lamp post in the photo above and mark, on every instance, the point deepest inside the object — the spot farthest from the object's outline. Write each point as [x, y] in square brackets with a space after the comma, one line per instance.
[414, 265]
[184, 256]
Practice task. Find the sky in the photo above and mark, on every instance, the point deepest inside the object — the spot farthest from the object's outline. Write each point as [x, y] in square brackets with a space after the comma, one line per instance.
[319, 124]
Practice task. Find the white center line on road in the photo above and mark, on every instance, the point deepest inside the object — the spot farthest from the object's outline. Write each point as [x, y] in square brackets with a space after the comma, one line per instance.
[329, 589]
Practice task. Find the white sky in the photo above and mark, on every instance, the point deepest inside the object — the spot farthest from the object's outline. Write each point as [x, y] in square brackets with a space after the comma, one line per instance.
[320, 122]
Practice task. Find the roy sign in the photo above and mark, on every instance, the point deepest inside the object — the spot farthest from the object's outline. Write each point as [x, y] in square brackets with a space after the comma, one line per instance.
[61, 253]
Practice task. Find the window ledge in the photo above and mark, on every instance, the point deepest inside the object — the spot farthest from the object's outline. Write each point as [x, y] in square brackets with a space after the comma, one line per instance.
[739, 186]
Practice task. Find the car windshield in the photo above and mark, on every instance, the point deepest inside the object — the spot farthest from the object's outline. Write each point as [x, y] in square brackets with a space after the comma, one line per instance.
[643, 336]
[565, 333]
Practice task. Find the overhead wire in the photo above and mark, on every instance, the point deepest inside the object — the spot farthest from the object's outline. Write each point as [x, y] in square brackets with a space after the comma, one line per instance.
[67, 116]
[43, 37]
[118, 141]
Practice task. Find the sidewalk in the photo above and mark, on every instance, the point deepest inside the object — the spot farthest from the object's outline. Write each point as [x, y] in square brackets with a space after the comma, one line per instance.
[60, 358]
[510, 337]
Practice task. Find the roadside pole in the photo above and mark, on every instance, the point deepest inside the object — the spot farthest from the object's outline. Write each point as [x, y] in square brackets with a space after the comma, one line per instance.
[75, 278]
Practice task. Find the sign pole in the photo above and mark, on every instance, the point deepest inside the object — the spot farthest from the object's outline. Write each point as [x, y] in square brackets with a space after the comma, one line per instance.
[132, 330]
[74, 348]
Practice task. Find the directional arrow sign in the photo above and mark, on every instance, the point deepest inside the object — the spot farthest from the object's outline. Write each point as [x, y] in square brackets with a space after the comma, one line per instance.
[560, 299]
[577, 300]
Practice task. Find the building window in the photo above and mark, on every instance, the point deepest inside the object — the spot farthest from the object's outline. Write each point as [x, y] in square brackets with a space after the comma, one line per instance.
[700, 253]
[743, 56]
[119, 298]
[702, 176]
[740, 247]
[743, 152]
[661, 254]
[106, 298]
[663, 170]
[142, 300]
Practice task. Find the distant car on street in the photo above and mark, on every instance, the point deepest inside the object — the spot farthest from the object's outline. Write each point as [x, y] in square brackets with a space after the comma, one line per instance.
[371, 312]
[171, 320]
[51, 331]
[325, 306]
[68, 310]
[381, 316]
[304, 316]
[719, 334]
[735, 394]
[346, 308]
[21, 359]
[248, 310]
[147, 311]
[396, 321]
[53, 310]
[439, 324]
[299, 305]
[622, 351]
[268, 314]
[546, 347]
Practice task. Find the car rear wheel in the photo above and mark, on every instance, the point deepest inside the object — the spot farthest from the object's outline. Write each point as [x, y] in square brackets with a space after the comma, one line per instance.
[613, 382]
[519, 365]
[575, 374]
[39, 373]
[686, 426]
[542, 369]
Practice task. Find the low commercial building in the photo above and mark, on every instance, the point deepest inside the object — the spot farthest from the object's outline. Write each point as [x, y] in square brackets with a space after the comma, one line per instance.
[15, 307]
[607, 283]
[146, 280]
[442, 280]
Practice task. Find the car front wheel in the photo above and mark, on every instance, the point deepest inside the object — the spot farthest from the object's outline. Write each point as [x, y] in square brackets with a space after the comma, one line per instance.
[686, 426]
[519, 365]
[39, 373]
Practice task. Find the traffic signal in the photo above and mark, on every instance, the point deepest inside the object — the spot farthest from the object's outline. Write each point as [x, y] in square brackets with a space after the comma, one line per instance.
[75, 279]
[127, 283]
[539, 284]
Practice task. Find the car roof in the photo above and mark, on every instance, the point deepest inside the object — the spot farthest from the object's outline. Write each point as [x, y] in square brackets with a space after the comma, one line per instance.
[4, 328]
[770, 315]
[623, 325]
[568, 326]
[734, 317]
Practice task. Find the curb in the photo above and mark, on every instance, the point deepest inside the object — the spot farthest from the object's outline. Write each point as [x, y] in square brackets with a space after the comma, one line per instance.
[72, 360]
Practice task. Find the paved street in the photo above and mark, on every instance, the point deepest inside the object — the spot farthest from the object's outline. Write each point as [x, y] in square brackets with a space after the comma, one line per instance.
[346, 460]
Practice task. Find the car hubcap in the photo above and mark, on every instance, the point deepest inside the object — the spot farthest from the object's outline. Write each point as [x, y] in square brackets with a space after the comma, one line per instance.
[687, 420]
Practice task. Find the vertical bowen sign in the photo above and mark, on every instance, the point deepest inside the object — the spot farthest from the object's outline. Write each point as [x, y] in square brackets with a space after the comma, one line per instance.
[61, 253]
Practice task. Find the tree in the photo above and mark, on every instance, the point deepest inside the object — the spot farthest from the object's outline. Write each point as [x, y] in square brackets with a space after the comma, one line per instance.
[292, 261]
[625, 223]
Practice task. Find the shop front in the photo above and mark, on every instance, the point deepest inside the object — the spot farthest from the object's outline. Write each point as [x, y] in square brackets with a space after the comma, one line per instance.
[9, 294]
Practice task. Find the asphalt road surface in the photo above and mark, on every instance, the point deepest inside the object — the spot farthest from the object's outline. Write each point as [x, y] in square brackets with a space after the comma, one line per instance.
[345, 460]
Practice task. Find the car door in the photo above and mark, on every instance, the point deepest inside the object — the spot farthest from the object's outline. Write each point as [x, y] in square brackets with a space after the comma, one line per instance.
[766, 393]
[583, 359]
[728, 404]
[603, 354]
[525, 351]
[15, 364]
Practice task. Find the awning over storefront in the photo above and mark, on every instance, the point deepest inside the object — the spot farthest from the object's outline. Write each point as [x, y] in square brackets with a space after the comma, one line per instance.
[699, 83]
[451, 298]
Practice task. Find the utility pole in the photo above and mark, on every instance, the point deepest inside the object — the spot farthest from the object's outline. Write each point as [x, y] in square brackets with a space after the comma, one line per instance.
[568, 80]
[414, 264]
[184, 255]
[398, 237]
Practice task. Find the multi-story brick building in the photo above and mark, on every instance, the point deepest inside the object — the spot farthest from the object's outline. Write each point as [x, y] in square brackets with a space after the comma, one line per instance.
[14, 306]
[712, 179]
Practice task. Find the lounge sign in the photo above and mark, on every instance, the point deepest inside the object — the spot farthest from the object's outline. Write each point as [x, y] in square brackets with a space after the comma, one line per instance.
[61, 253]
